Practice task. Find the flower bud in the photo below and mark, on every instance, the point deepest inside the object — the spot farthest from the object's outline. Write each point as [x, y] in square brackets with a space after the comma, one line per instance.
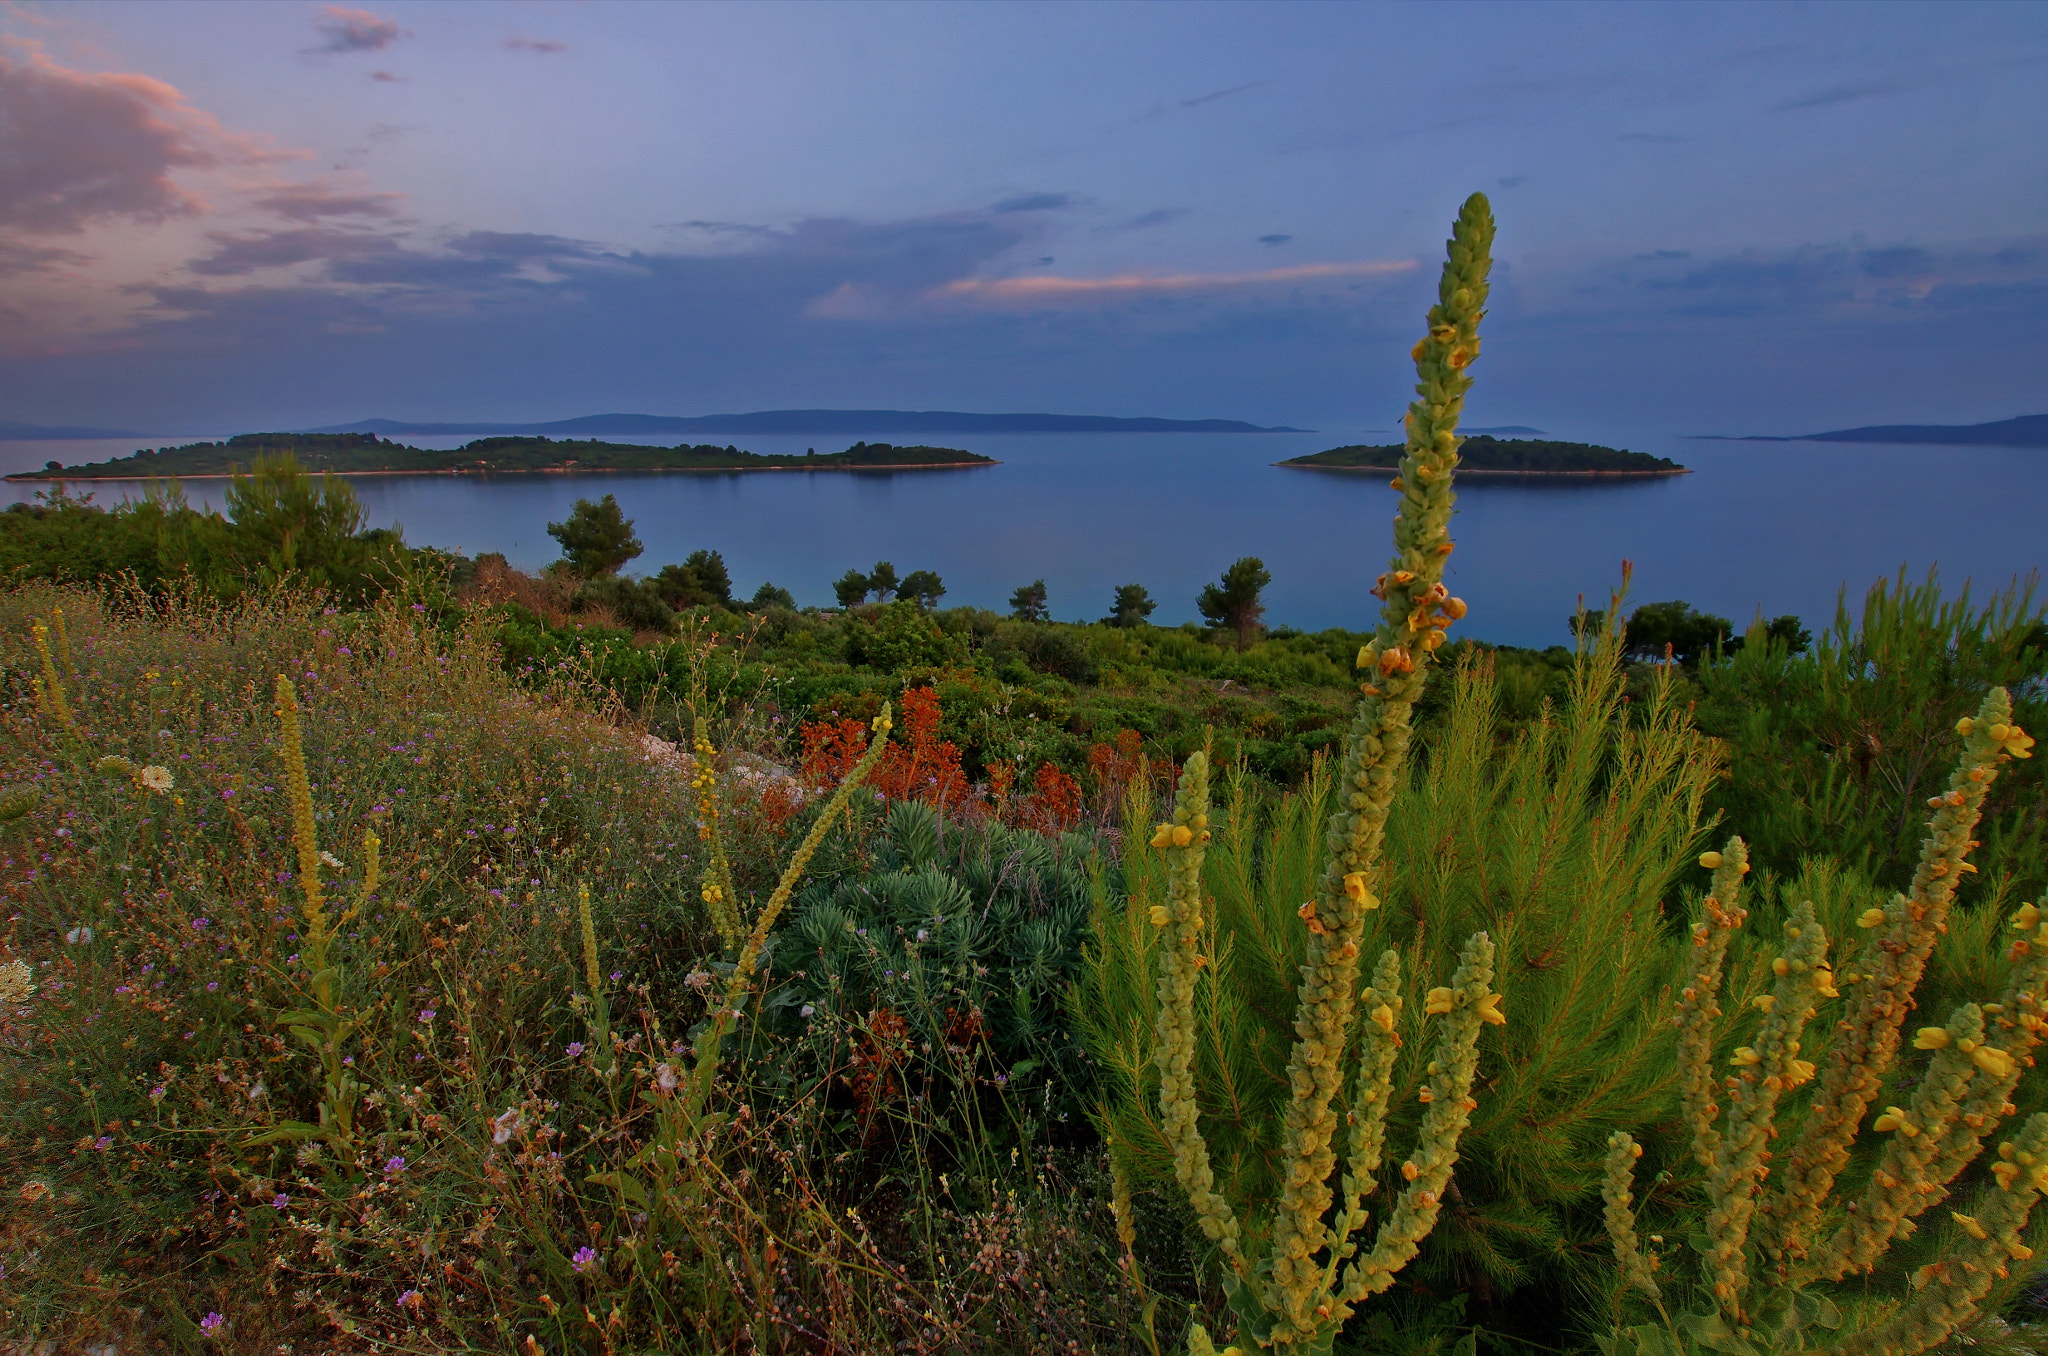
[1438, 1002]
[1931, 1038]
[1870, 918]
[1711, 860]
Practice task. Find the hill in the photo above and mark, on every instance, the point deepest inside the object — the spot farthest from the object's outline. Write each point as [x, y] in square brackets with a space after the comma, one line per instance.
[1483, 454]
[367, 454]
[14, 432]
[2028, 430]
[862, 422]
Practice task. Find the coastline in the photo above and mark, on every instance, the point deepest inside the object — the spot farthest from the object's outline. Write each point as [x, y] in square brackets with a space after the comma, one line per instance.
[24, 477]
[1466, 472]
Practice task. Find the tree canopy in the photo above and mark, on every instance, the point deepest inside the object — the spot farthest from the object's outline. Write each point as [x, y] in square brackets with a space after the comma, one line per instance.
[597, 538]
[1234, 603]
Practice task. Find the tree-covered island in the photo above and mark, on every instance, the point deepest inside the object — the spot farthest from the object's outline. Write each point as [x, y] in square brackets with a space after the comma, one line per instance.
[367, 454]
[1485, 455]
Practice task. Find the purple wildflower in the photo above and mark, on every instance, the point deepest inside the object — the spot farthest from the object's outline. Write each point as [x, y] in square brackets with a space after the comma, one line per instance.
[211, 1323]
[585, 1259]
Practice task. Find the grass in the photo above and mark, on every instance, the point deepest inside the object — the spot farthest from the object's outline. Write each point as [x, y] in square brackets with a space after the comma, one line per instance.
[170, 1175]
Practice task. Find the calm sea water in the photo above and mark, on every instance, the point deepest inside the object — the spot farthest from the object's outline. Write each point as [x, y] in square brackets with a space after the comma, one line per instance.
[1775, 526]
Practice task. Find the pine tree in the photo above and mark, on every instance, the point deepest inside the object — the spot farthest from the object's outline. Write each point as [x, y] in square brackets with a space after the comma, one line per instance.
[1028, 603]
[1234, 604]
[597, 539]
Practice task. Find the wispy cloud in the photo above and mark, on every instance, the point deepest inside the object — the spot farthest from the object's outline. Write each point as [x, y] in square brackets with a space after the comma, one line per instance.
[1051, 289]
[1214, 95]
[519, 42]
[1275, 239]
[1907, 81]
[354, 30]
[1158, 216]
[1033, 202]
[311, 201]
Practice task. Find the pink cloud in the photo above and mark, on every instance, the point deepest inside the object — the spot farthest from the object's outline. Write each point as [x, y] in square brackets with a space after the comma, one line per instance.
[311, 201]
[1047, 289]
[355, 30]
[84, 147]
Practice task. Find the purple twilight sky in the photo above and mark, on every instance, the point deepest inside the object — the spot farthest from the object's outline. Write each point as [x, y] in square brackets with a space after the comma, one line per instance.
[1713, 217]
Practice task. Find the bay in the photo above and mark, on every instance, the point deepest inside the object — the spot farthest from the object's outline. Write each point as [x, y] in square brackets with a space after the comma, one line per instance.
[1776, 527]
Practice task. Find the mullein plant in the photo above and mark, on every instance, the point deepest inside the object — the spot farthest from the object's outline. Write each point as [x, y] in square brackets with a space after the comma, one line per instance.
[662, 1179]
[1776, 1238]
[326, 1024]
[1313, 1270]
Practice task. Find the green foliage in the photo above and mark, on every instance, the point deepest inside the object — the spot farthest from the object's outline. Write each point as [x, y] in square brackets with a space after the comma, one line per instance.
[283, 525]
[1027, 604]
[1834, 752]
[966, 935]
[851, 588]
[596, 538]
[923, 587]
[700, 581]
[900, 636]
[771, 596]
[1133, 606]
[882, 581]
[1560, 839]
[1234, 604]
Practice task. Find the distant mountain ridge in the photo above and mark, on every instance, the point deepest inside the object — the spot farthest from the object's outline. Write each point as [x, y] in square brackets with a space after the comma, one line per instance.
[819, 421]
[2028, 430]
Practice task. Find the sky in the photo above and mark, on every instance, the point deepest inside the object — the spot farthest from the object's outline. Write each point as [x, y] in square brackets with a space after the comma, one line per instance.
[1716, 218]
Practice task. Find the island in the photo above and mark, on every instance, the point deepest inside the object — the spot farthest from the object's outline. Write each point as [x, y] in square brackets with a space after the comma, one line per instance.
[862, 422]
[365, 454]
[1485, 455]
[2028, 430]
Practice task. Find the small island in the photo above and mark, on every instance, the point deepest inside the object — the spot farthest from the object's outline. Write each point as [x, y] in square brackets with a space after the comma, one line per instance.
[1484, 455]
[365, 454]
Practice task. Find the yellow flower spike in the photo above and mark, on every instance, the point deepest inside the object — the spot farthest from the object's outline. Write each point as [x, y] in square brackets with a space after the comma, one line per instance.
[1744, 1056]
[1159, 916]
[1438, 1002]
[1711, 860]
[1870, 918]
[1383, 1018]
[1763, 1002]
[1489, 1010]
[1182, 835]
[1354, 887]
[1931, 1038]
[1995, 1062]
[1162, 836]
[1970, 1225]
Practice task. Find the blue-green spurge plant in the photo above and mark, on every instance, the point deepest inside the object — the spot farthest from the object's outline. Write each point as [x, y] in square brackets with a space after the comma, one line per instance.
[1776, 1238]
[1314, 1269]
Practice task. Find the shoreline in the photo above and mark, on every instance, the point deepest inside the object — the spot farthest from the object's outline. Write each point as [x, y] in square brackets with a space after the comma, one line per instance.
[22, 478]
[1464, 472]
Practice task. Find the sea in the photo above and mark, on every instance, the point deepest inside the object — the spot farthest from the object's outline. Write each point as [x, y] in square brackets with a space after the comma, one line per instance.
[1770, 528]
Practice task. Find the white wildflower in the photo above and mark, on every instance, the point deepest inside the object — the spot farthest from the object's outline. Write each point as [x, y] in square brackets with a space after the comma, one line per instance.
[507, 1125]
[331, 859]
[156, 778]
[15, 985]
[79, 936]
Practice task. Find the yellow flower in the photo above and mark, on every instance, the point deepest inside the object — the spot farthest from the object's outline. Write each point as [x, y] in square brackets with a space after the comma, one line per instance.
[2027, 916]
[1931, 1038]
[1163, 836]
[1410, 1172]
[1970, 1226]
[1182, 835]
[1799, 1071]
[1781, 967]
[1744, 1056]
[1892, 1119]
[1995, 1062]
[1354, 886]
[1489, 1010]
[1870, 918]
[1763, 1002]
[1711, 860]
[1824, 982]
[2005, 1173]
[1438, 1002]
[1965, 726]
[1382, 1016]
[1159, 916]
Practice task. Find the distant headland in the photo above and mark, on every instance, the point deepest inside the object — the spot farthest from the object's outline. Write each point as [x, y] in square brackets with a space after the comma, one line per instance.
[10, 431]
[858, 422]
[1485, 455]
[367, 454]
[2029, 430]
